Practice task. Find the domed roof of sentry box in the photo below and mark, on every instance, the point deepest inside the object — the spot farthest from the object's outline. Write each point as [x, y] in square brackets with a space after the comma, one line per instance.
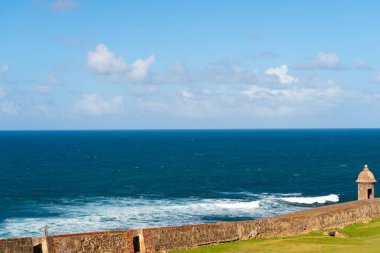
[366, 176]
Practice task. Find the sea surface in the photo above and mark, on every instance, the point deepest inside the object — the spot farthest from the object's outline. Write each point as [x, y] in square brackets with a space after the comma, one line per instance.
[77, 181]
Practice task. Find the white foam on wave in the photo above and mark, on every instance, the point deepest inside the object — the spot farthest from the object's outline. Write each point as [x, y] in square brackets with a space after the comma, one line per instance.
[263, 195]
[96, 214]
[121, 213]
[240, 205]
[313, 200]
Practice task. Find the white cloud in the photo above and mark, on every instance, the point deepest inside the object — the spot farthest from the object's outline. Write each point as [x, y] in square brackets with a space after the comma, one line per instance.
[64, 5]
[95, 105]
[267, 102]
[105, 62]
[186, 95]
[322, 60]
[293, 94]
[139, 68]
[4, 68]
[252, 101]
[328, 61]
[282, 74]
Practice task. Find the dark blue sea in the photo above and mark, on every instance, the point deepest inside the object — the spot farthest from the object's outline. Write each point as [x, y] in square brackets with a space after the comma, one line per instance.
[77, 181]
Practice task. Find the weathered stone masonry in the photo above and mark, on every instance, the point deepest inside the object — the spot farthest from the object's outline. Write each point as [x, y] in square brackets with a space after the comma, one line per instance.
[19, 245]
[181, 237]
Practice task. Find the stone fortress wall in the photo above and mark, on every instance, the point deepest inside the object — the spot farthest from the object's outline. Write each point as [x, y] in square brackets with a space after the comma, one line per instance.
[183, 237]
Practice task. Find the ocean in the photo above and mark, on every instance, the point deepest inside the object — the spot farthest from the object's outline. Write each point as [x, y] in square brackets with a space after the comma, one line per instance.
[80, 181]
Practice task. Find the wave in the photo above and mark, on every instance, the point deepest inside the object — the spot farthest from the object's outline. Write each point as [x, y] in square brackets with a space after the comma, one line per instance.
[240, 205]
[95, 214]
[312, 200]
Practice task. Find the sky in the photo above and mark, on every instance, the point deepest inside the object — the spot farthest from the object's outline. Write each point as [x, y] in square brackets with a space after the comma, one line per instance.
[217, 64]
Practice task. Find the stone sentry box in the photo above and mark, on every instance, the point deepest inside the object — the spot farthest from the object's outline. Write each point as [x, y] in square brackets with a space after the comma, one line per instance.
[366, 184]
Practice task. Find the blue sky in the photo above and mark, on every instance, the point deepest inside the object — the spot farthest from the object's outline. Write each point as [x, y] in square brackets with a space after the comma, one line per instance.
[76, 64]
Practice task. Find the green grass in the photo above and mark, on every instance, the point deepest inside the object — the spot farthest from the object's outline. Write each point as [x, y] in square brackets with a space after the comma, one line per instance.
[361, 238]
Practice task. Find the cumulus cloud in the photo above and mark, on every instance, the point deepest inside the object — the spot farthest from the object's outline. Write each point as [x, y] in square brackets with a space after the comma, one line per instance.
[64, 5]
[105, 62]
[4, 68]
[322, 60]
[328, 61]
[95, 105]
[282, 74]
[139, 68]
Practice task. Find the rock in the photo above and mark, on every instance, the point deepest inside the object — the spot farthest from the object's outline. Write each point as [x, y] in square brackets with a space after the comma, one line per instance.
[335, 233]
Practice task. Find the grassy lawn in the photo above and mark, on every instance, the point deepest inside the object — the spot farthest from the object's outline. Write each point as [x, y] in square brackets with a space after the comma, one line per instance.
[361, 238]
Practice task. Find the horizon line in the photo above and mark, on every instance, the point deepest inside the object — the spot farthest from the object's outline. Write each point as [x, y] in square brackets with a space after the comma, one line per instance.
[188, 129]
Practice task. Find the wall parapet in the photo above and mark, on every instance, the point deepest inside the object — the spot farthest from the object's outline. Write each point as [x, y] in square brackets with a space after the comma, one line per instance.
[19, 245]
[183, 237]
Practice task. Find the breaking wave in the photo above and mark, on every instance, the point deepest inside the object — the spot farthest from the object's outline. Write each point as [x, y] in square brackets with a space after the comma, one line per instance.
[313, 200]
[95, 214]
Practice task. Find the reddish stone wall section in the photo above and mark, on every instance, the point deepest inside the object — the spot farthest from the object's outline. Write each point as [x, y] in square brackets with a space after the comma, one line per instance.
[181, 237]
[326, 217]
[189, 236]
[297, 223]
[19, 245]
[109, 241]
